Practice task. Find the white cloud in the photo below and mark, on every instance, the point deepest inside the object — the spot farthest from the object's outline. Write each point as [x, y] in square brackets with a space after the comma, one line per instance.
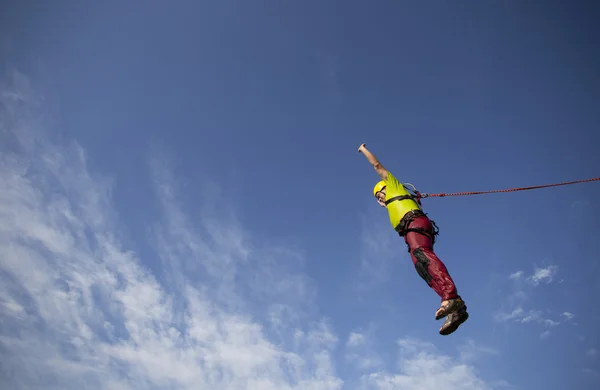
[517, 275]
[592, 352]
[515, 314]
[360, 350]
[355, 340]
[471, 351]
[539, 275]
[519, 315]
[421, 366]
[568, 316]
[517, 301]
[536, 316]
[545, 334]
[81, 307]
[545, 274]
[380, 245]
[593, 373]
[81, 310]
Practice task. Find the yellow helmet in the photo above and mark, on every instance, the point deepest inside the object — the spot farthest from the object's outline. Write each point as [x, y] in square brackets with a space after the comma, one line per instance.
[378, 187]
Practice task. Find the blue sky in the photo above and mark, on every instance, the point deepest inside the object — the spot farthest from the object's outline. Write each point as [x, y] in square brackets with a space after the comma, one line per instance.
[182, 204]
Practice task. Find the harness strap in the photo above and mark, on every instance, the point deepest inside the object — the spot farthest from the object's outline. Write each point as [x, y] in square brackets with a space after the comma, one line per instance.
[425, 232]
[405, 221]
[399, 197]
[402, 228]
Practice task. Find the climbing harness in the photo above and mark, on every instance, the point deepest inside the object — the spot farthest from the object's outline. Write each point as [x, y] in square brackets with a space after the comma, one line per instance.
[404, 228]
[422, 195]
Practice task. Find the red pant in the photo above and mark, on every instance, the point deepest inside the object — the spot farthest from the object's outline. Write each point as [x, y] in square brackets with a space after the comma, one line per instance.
[426, 262]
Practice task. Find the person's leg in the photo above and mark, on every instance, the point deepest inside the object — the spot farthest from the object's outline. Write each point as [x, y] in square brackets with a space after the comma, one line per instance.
[434, 272]
[426, 262]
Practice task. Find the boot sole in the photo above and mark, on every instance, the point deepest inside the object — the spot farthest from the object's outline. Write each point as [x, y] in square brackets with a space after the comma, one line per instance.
[454, 326]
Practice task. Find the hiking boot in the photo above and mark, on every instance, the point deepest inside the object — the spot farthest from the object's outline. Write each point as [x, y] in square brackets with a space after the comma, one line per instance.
[454, 320]
[448, 307]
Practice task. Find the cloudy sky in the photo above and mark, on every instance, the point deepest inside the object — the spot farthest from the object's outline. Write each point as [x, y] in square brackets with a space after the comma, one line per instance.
[182, 205]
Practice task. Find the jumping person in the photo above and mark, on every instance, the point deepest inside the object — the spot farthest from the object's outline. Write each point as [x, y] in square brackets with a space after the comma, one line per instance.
[419, 232]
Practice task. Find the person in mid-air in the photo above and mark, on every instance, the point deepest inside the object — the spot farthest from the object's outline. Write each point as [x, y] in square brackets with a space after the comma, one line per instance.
[419, 232]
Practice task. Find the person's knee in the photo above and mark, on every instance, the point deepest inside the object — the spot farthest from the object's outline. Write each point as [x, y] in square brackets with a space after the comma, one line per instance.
[422, 245]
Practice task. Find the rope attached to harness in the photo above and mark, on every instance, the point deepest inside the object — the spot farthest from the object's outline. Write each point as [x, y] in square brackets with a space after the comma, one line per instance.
[422, 195]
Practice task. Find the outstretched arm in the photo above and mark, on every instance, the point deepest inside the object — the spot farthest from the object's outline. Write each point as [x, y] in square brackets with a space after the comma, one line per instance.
[379, 168]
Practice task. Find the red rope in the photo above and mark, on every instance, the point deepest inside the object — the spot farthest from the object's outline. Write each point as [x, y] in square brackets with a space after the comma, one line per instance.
[440, 195]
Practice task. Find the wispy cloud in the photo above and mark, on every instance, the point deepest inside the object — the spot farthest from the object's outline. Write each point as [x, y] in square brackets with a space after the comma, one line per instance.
[220, 310]
[536, 316]
[523, 286]
[525, 317]
[592, 352]
[539, 275]
[470, 350]
[421, 366]
[81, 308]
[545, 274]
[517, 275]
[545, 334]
[380, 246]
[361, 352]
[594, 374]
[568, 315]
